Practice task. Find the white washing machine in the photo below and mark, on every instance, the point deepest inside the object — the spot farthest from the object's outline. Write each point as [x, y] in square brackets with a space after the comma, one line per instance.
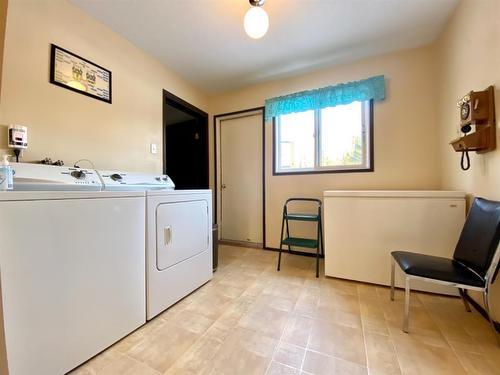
[178, 236]
[72, 268]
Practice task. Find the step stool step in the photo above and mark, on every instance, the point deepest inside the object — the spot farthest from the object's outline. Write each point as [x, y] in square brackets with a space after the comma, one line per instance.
[300, 242]
[302, 217]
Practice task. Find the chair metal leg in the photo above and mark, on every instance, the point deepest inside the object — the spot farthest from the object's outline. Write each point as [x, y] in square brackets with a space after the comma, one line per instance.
[281, 239]
[487, 308]
[288, 233]
[279, 258]
[317, 262]
[393, 270]
[317, 250]
[320, 223]
[466, 303]
[406, 322]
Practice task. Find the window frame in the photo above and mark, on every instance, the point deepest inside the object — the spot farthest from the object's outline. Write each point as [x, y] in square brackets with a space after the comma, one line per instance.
[328, 169]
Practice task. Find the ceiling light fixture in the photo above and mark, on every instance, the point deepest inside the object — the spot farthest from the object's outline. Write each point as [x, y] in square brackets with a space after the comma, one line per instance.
[256, 21]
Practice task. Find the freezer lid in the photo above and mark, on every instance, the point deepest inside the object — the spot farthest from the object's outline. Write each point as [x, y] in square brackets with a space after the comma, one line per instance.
[395, 193]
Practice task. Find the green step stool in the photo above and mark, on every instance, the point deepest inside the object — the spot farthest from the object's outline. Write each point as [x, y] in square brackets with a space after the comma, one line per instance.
[316, 243]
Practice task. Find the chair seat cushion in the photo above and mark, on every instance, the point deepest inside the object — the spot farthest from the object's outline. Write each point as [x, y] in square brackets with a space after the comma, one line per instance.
[436, 268]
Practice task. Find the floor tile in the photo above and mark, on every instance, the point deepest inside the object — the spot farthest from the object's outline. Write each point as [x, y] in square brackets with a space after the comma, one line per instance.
[139, 335]
[320, 364]
[211, 306]
[418, 358]
[433, 337]
[339, 341]
[376, 324]
[243, 352]
[330, 313]
[163, 347]
[381, 354]
[251, 319]
[198, 358]
[339, 301]
[478, 364]
[127, 366]
[276, 301]
[265, 319]
[289, 354]
[97, 363]
[307, 303]
[297, 330]
[276, 368]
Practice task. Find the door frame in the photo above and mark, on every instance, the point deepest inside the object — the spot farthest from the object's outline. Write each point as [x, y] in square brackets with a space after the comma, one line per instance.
[232, 115]
[175, 101]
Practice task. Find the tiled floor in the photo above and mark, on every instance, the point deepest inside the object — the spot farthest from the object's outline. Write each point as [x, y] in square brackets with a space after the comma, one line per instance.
[251, 319]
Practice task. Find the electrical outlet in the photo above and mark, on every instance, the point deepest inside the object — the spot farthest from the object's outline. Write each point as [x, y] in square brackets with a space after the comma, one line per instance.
[153, 148]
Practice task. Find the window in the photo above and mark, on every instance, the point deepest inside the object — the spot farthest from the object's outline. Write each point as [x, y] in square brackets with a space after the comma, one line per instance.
[333, 139]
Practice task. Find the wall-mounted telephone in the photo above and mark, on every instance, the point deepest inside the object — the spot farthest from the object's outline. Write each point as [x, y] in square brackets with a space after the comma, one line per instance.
[474, 109]
[477, 124]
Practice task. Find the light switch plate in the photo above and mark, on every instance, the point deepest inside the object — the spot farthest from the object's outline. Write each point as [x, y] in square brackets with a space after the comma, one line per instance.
[153, 148]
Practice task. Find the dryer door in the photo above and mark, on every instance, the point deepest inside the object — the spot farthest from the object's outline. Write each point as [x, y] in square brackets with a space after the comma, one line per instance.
[181, 231]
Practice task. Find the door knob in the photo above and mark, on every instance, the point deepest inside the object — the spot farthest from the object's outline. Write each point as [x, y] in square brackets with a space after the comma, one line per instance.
[223, 186]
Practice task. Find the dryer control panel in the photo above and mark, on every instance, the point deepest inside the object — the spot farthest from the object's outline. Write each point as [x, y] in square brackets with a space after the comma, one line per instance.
[54, 178]
[130, 181]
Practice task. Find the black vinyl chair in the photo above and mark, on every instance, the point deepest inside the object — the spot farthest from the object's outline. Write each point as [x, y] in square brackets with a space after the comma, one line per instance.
[474, 265]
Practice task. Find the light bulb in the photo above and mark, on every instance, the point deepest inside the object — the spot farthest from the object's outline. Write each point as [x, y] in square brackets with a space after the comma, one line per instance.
[256, 22]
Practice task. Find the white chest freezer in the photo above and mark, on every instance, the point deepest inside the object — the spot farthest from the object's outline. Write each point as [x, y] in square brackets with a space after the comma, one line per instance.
[361, 229]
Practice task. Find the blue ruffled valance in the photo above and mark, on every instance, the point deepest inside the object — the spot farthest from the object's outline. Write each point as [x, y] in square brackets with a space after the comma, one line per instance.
[344, 93]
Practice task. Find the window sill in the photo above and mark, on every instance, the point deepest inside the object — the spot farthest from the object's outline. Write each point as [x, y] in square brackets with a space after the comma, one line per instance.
[347, 170]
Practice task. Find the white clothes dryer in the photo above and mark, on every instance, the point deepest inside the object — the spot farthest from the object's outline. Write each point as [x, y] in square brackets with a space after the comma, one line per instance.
[178, 245]
[178, 236]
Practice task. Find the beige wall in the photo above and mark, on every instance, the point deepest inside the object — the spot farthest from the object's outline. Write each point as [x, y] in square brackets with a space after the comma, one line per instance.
[3, 353]
[66, 125]
[469, 59]
[405, 131]
[412, 126]
[3, 19]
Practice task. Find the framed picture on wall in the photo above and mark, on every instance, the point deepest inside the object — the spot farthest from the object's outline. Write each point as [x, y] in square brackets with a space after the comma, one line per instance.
[77, 74]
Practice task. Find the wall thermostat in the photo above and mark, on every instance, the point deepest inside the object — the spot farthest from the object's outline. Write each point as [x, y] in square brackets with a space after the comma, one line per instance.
[18, 137]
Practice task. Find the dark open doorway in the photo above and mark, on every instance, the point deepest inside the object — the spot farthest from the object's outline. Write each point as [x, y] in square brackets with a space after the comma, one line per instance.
[185, 143]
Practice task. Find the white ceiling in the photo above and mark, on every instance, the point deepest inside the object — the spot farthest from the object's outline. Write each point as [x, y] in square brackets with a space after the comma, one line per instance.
[204, 40]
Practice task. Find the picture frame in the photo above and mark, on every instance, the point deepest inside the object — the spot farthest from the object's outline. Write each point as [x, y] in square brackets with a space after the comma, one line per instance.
[75, 73]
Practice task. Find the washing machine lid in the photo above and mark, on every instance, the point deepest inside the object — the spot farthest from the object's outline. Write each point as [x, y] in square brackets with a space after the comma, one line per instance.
[133, 181]
[10, 196]
[41, 177]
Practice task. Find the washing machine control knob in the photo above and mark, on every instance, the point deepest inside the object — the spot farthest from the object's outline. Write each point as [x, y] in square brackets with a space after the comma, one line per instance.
[78, 174]
[116, 177]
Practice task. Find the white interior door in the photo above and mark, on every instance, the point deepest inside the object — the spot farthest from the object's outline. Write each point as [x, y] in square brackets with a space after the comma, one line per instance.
[241, 178]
